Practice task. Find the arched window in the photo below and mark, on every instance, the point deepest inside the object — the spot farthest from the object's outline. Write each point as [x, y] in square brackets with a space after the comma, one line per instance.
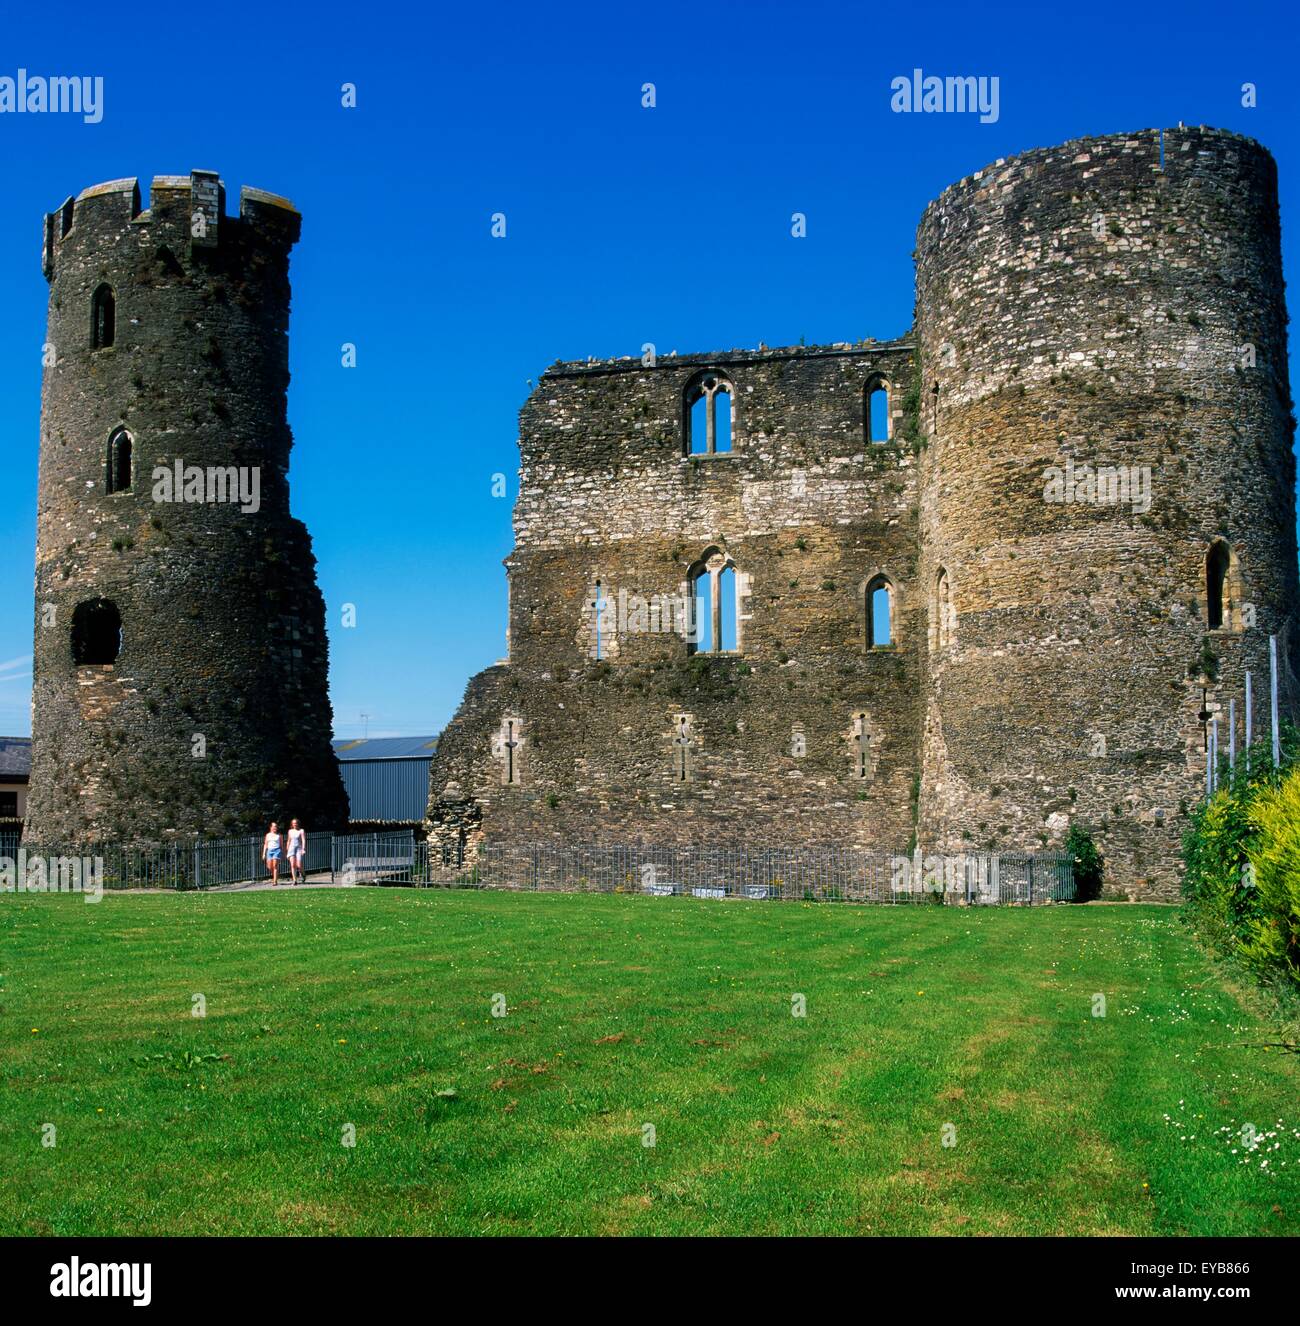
[1220, 587]
[103, 318]
[727, 610]
[942, 611]
[876, 412]
[118, 474]
[96, 632]
[708, 416]
[702, 594]
[878, 608]
[715, 596]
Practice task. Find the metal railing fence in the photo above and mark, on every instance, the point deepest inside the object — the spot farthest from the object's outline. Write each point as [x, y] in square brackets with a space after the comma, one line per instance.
[792, 874]
[808, 874]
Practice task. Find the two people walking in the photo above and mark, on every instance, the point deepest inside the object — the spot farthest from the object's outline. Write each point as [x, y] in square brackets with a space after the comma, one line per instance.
[296, 847]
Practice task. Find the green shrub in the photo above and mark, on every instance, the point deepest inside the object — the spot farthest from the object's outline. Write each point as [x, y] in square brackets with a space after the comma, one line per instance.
[1215, 853]
[1217, 842]
[1240, 831]
[1273, 932]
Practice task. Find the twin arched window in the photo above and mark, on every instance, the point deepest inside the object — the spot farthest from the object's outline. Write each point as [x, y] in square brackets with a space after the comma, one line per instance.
[715, 604]
[103, 318]
[708, 416]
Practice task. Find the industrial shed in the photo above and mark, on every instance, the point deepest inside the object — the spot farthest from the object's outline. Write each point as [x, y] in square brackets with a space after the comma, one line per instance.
[386, 778]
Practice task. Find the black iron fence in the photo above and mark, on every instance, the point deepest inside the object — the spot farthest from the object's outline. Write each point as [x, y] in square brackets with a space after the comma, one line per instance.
[206, 864]
[379, 858]
[809, 874]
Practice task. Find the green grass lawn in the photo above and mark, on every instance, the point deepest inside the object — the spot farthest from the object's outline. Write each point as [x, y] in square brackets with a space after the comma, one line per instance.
[374, 1008]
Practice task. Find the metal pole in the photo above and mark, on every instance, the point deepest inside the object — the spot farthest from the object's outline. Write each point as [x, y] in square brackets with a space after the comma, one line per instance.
[1249, 716]
[1214, 754]
[1272, 687]
[1232, 735]
[1209, 767]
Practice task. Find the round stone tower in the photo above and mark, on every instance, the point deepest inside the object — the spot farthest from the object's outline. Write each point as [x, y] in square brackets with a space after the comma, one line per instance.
[1107, 511]
[180, 651]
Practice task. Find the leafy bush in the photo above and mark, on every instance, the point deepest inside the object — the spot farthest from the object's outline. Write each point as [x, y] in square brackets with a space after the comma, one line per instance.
[1215, 848]
[1241, 832]
[1273, 933]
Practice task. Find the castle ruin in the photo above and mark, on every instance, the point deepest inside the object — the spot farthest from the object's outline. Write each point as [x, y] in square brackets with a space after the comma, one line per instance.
[964, 588]
[180, 652]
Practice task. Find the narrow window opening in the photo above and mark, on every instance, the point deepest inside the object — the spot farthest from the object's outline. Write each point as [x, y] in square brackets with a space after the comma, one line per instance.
[103, 318]
[699, 424]
[877, 412]
[881, 627]
[506, 746]
[96, 632]
[861, 747]
[511, 745]
[722, 420]
[879, 615]
[704, 613]
[727, 609]
[1217, 564]
[119, 462]
[942, 611]
[683, 747]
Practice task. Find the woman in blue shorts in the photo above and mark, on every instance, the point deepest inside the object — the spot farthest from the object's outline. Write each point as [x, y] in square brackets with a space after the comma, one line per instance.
[271, 852]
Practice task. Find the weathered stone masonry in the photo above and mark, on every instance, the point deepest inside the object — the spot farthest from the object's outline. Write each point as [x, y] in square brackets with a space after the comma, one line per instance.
[168, 339]
[1074, 304]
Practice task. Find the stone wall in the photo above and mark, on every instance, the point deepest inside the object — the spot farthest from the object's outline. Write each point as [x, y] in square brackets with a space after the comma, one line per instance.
[1081, 305]
[805, 509]
[1076, 306]
[214, 718]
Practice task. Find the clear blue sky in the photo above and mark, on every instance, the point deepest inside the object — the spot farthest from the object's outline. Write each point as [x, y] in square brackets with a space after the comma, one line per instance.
[624, 225]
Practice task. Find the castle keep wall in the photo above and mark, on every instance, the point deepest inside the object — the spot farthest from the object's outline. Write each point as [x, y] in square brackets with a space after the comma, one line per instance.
[804, 509]
[1080, 306]
[223, 647]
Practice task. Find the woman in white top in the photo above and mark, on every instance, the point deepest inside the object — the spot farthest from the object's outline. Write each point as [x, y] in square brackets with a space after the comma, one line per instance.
[297, 852]
[271, 852]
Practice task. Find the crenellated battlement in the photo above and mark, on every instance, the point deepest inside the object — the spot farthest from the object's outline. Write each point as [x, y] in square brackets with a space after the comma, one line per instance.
[195, 202]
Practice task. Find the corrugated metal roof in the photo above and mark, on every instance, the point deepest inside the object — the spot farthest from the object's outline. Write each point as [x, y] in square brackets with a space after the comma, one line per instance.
[385, 748]
[15, 757]
[396, 789]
